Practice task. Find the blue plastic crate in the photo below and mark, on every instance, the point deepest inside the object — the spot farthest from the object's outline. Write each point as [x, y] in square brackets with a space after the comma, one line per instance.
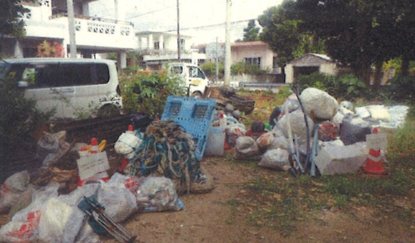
[194, 115]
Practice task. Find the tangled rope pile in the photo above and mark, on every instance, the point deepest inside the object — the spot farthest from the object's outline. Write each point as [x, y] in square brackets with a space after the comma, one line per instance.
[167, 150]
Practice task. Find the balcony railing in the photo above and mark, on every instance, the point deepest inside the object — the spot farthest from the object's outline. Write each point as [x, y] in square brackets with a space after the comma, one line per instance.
[112, 21]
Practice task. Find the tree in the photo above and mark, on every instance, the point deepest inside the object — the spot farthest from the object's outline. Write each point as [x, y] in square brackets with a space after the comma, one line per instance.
[281, 31]
[10, 18]
[361, 33]
[251, 32]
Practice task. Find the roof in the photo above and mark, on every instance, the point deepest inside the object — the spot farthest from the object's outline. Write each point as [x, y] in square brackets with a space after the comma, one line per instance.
[311, 59]
[249, 43]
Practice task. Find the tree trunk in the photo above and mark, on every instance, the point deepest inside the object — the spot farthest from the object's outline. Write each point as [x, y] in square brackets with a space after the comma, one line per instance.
[405, 66]
[378, 74]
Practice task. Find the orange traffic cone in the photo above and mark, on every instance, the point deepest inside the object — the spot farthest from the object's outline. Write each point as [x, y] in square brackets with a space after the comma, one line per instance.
[94, 146]
[374, 164]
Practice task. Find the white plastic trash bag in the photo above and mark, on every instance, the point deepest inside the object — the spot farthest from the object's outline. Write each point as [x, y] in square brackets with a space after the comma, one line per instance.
[246, 148]
[24, 226]
[130, 182]
[12, 188]
[127, 144]
[157, 194]
[119, 202]
[275, 159]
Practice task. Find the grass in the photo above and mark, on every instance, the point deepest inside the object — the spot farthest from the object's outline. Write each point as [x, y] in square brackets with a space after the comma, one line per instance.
[279, 201]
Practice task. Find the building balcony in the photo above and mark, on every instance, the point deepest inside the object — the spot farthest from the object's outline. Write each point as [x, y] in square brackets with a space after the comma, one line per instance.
[91, 32]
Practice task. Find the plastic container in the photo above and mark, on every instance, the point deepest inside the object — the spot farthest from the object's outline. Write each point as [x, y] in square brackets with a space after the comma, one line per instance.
[215, 142]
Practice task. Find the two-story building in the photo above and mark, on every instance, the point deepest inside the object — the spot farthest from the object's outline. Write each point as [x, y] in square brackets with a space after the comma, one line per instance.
[47, 31]
[158, 48]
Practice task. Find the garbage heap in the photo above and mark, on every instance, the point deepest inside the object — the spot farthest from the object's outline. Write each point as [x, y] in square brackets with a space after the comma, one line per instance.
[44, 204]
[312, 131]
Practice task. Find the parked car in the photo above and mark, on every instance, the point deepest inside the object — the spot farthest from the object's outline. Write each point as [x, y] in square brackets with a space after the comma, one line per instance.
[67, 85]
[195, 79]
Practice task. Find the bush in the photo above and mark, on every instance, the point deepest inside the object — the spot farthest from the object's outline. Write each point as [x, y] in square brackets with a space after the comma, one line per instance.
[241, 67]
[147, 93]
[346, 86]
[401, 88]
[209, 68]
[19, 118]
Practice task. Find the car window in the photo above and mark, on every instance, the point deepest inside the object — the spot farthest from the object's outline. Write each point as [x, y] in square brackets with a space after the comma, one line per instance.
[195, 72]
[177, 70]
[61, 74]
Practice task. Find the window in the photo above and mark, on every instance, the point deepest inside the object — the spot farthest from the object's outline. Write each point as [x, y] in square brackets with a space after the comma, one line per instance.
[156, 45]
[253, 61]
[177, 70]
[274, 62]
[195, 72]
[61, 74]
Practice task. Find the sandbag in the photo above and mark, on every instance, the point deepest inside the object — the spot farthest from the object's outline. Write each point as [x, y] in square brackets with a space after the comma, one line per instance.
[275, 159]
[298, 125]
[246, 148]
[319, 104]
[265, 140]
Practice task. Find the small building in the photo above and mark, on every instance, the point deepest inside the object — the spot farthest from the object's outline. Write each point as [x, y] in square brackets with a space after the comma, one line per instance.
[257, 53]
[158, 48]
[311, 63]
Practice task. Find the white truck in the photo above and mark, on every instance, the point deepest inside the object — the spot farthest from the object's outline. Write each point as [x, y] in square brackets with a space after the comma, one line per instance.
[195, 79]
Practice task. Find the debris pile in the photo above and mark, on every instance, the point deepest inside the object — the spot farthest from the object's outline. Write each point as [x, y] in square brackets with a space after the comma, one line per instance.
[48, 204]
[312, 131]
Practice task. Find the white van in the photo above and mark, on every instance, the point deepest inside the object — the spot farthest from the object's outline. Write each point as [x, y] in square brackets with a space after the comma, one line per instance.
[195, 79]
[69, 86]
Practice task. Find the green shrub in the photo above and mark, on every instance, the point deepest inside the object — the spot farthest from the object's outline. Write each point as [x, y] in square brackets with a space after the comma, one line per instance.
[147, 93]
[346, 86]
[401, 88]
[19, 118]
[241, 67]
[209, 68]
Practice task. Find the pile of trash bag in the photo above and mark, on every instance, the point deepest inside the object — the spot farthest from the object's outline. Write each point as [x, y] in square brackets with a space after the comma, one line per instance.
[315, 121]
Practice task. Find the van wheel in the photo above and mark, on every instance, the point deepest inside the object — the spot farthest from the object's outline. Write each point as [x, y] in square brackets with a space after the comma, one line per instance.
[197, 94]
[108, 110]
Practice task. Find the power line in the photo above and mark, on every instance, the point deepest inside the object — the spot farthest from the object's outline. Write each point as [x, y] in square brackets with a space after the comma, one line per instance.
[209, 26]
[153, 11]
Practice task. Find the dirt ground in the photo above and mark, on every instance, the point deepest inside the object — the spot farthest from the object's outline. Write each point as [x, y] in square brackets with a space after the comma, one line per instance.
[211, 217]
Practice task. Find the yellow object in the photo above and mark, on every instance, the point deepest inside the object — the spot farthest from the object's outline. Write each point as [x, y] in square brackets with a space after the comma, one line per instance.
[101, 146]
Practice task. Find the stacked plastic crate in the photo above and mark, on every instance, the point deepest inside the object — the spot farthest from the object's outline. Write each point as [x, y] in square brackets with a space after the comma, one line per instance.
[194, 115]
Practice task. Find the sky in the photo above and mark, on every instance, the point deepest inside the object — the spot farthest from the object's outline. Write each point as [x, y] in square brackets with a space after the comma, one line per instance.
[195, 15]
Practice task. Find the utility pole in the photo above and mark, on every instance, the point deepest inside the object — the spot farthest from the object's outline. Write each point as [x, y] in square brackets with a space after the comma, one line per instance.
[228, 44]
[178, 32]
[216, 59]
[71, 26]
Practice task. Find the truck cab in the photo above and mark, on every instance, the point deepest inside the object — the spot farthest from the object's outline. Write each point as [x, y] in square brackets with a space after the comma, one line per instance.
[194, 78]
